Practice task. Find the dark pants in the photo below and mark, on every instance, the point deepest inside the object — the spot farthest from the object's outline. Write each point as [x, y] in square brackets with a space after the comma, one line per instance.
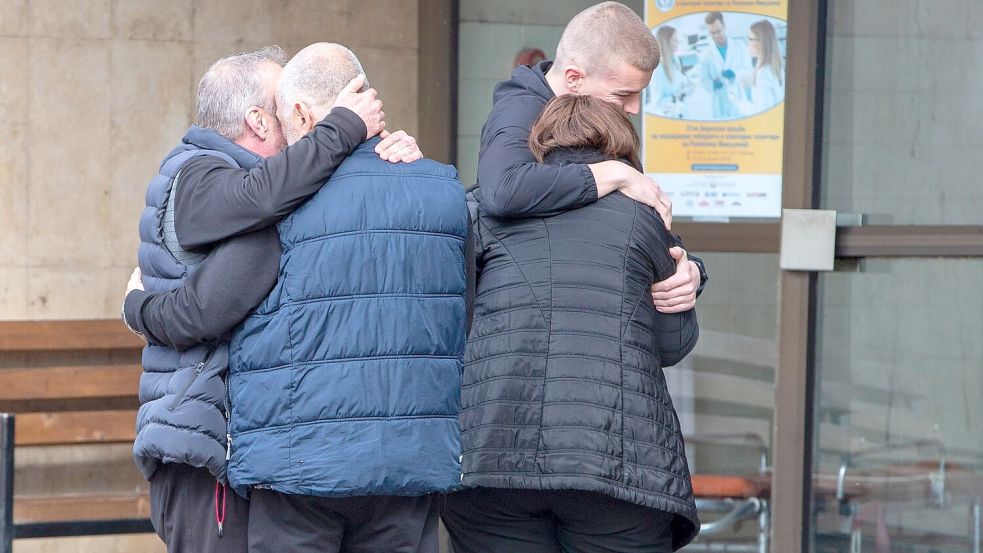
[280, 523]
[182, 509]
[488, 520]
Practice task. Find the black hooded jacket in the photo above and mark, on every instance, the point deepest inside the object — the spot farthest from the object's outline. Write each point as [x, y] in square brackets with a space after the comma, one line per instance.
[512, 183]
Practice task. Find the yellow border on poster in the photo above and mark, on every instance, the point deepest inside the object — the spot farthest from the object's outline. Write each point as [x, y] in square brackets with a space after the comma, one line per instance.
[754, 144]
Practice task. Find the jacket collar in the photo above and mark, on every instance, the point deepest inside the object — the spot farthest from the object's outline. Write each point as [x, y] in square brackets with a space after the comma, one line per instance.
[528, 80]
[584, 154]
[207, 139]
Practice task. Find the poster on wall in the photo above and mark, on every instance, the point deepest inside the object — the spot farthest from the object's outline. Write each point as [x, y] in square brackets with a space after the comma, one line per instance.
[714, 111]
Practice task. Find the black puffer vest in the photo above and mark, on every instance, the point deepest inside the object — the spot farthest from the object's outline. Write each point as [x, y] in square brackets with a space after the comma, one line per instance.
[563, 384]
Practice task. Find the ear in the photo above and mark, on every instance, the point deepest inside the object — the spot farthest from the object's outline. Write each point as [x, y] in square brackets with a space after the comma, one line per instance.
[573, 77]
[257, 122]
[304, 117]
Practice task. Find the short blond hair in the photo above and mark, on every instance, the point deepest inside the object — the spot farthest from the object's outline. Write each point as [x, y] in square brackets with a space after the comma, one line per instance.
[607, 33]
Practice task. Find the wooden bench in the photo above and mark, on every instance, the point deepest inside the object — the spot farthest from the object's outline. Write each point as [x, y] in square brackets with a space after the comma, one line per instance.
[58, 403]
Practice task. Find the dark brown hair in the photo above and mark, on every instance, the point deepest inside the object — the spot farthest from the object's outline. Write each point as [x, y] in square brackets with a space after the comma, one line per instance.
[714, 16]
[575, 121]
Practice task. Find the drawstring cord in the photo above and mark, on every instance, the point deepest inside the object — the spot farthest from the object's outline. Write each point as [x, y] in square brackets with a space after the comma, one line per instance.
[220, 515]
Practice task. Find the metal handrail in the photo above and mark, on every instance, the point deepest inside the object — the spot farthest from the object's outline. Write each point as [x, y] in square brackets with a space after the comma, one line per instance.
[7, 482]
[54, 529]
[740, 510]
[736, 511]
[938, 482]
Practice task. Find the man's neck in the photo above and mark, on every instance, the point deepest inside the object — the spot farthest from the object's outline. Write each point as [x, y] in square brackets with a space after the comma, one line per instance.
[555, 79]
[252, 143]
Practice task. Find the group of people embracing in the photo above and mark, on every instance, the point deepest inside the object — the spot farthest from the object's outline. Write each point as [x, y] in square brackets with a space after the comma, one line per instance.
[344, 346]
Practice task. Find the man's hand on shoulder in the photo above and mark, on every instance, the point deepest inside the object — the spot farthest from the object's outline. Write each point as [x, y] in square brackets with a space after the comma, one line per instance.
[645, 190]
[365, 104]
[678, 292]
[614, 175]
[398, 147]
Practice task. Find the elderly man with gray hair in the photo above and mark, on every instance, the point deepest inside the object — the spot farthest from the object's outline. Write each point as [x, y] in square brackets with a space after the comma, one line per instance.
[345, 381]
[207, 238]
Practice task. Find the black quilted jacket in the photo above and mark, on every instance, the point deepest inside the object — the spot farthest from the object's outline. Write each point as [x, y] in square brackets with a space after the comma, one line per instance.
[563, 382]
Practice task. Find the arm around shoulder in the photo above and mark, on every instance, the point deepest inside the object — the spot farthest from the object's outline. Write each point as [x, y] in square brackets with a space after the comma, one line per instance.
[252, 199]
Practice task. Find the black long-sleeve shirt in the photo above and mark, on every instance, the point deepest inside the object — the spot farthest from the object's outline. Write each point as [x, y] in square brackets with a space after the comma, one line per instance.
[234, 210]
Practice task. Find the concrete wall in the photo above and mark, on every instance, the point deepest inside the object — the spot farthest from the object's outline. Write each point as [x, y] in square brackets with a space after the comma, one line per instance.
[94, 92]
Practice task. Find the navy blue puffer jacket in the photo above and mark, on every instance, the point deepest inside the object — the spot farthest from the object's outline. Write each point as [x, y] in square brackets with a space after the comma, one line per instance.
[346, 380]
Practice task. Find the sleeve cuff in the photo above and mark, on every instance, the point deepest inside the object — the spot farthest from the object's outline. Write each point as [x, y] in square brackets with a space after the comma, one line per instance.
[589, 194]
[132, 311]
[348, 123]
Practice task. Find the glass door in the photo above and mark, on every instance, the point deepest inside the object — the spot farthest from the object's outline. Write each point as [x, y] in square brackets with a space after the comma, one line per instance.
[897, 456]
[898, 462]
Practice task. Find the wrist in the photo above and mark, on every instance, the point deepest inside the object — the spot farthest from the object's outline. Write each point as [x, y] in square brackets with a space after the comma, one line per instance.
[701, 269]
[610, 176]
[131, 309]
[349, 123]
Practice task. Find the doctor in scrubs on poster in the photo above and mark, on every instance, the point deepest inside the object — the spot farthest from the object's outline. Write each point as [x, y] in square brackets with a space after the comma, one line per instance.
[723, 66]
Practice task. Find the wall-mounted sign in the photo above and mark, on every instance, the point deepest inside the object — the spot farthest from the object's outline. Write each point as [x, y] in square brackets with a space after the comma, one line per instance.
[714, 111]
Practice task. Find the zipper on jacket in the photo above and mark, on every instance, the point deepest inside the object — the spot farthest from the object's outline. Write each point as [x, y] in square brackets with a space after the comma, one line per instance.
[198, 370]
[228, 419]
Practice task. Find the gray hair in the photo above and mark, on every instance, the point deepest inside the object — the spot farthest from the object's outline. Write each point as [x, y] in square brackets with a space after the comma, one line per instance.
[316, 75]
[233, 85]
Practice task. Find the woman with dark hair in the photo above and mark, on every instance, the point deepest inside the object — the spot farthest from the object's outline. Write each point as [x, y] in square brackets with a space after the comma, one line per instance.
[570, 441]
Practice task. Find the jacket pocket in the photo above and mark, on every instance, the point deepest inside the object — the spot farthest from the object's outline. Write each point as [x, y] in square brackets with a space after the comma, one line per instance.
[179, 398]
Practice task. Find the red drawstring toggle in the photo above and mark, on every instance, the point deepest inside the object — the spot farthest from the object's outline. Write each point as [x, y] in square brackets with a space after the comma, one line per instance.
[220, 515]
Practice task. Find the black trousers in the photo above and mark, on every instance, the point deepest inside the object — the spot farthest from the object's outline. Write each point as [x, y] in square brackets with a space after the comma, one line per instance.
[280, 523]
[182, 510]
[489, 520]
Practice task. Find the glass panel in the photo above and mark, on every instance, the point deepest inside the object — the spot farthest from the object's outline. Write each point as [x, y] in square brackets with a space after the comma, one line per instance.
[904, 100]
[493, 37]
[900, 372]
[724, 391]
[726, 387]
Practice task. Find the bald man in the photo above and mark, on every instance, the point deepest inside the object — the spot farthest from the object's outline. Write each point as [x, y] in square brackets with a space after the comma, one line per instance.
[345, 381]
